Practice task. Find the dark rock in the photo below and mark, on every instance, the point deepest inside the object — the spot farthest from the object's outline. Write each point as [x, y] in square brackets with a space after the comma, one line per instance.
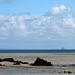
[72, 65]
[41, 62]
[1, 65]
[8, 59]
[12, 60]
[0, 60]
[65, 71]
[16, 63]
[69, 72]
[19, 62]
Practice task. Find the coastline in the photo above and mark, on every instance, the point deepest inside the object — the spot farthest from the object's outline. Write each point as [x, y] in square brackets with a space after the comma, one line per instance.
[56, 59]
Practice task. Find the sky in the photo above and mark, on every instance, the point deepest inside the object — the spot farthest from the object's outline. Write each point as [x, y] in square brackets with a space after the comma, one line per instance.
[37, 24]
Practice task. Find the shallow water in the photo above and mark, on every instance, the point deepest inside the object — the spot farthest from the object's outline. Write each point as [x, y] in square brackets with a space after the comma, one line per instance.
[29, 71]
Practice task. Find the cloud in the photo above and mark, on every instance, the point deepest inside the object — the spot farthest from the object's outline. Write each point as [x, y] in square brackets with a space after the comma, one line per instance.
[69, 22]
[48, 27]
[58, 10]
[27, 13]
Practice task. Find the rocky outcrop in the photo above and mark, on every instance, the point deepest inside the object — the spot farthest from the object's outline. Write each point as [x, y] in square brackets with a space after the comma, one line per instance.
[41, 62]
[19, 62]
[7, 59]
[12, 60]
[38, 62]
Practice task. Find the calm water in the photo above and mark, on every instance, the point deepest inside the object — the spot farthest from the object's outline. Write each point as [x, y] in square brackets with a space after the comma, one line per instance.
[37, 51]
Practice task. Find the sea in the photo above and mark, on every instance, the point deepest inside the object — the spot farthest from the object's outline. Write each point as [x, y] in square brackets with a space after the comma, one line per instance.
[39, 51]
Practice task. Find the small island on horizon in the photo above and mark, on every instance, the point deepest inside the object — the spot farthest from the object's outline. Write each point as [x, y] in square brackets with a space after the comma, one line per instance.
[62, 48]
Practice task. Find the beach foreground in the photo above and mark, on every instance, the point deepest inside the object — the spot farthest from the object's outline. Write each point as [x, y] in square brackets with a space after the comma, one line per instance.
[62, 64]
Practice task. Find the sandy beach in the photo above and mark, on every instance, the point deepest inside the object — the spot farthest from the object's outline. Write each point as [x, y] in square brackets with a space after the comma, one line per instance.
[54, 58]
[26, 69]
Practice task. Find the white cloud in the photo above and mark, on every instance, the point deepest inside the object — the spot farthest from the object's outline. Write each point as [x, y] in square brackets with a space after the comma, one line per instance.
[58, 10]
[69, 22]
[47, 27]
[27, 13]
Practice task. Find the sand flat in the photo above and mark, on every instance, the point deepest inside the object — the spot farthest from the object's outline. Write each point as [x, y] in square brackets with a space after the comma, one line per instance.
[52, 57]
[22, 69]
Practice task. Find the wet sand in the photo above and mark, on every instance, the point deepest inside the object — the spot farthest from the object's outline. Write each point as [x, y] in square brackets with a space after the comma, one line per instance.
[36, 70]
